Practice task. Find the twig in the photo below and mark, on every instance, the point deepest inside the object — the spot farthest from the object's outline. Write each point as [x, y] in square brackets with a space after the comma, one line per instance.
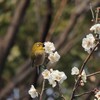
[63, 97]
[79, 95]
[92, 12]
[41, 94]
[95, 73]
[56, 19]
[82, 67]
[97, 12]
[88, 57]
[79, 10]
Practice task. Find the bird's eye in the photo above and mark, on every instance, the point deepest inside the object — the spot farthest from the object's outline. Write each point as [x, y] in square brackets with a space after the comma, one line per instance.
[38, 45]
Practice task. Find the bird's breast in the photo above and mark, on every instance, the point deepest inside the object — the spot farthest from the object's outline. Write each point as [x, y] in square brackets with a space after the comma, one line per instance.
[39, 60]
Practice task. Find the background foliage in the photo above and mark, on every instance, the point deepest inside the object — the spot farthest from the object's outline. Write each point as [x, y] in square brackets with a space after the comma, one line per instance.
[35, 26]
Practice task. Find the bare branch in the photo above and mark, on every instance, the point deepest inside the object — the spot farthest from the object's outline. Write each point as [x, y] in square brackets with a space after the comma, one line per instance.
[79, 10]
[43, 86]
[56, 19]
[82, 67]
[47, 21]
[12, 32]
[95, 73]
[82, 94]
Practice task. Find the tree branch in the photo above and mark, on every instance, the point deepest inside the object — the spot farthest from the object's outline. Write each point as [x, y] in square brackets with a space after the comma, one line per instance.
[47, 21]
[12, 32]
[79, 10]
[82, 94]
[56, 19]
[95, 73]
[82, 67]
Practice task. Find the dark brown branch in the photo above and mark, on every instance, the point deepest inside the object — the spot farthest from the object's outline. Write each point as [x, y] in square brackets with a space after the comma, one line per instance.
[82, 67]
[47, 21]
[12, 32]
[88, 57]
[56, 19]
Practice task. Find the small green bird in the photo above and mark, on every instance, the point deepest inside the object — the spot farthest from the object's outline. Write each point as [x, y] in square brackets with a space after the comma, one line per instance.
[37, 55]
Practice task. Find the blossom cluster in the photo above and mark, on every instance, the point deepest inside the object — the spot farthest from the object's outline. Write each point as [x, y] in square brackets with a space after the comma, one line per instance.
[89, 42]
[75, 71]
[50, 50]
[54, 76]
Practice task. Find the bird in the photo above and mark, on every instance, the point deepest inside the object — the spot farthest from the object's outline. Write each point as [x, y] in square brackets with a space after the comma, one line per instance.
[37, 55]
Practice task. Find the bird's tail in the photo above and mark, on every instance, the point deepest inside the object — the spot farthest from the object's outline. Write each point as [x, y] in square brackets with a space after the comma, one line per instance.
[37, 74]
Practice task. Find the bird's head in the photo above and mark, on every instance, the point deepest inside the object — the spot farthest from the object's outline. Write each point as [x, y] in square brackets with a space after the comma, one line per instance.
[37, 46]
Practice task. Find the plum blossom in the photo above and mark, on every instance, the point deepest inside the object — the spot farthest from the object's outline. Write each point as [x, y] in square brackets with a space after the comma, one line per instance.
[46, 74]
[49, 47]
[84, 77]
[54, 57]
[95, 28]
[88, 43]
[52, 82]
[33, 93]
[55, 76]
[58, 76]
[74, 71]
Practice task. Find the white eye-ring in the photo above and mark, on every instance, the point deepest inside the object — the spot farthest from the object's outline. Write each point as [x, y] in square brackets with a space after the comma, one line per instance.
[38, 45]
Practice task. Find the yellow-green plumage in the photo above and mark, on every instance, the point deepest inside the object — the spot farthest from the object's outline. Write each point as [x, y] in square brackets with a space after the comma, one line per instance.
[37, 54]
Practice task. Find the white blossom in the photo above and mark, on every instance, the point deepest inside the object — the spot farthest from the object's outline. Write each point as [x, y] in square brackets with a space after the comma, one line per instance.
[58, 76]
[95, 28]
[54, 57]
[52, 82]
[49, 47]
[84, 77]
[33, 93]
[54, 76]
[74, 71]
[97, 95]
[62, 77]
[46, 74]
[88, 43]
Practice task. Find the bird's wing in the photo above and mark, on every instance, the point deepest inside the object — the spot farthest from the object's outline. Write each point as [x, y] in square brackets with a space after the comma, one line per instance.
[32, 60]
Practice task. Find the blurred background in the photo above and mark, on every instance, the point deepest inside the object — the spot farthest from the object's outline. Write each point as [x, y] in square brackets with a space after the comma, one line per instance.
[63, 22]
